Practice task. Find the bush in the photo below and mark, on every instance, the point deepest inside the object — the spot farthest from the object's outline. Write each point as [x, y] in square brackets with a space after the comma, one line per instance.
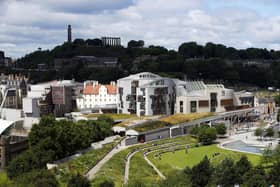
[207, 135]
[78, 181]
[221, 129]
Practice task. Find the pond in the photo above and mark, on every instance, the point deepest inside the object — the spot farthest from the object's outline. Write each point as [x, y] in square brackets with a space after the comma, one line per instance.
[241, 146]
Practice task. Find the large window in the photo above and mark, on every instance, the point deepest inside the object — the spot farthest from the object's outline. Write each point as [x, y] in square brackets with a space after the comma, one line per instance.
[193, 106]
[181, 106]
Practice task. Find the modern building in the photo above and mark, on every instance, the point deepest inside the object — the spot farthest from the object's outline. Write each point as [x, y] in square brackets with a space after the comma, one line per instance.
[150, 94]
[64, 95]
[54, 97]
[98, 97]
[12, 89]
[10, 145]
[196, 96]
[266, 105]
[146, 94]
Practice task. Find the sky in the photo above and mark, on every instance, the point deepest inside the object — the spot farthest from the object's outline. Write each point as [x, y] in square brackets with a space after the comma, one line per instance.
[26, 25]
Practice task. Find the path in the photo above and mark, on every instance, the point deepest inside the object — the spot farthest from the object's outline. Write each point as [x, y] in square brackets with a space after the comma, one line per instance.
[127, 163]
[91, 173]
[154, 167]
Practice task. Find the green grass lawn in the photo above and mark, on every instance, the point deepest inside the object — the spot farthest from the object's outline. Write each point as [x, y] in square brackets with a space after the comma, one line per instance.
[113, 116]
[179, 160]
[140, 170]
[113, 170]
[4, 180]
[83, 163]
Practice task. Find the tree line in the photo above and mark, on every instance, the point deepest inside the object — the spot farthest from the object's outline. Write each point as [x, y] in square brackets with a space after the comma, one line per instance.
[209, 62]
[51, 140]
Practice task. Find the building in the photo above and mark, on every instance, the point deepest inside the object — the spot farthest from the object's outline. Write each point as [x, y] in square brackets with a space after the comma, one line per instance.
[2, 58]
[149, 94]
[196, 96]
[64, 95]
[38, 101]
[98, 97]
[86, 61]
[12, 89]
[8, 62]
[10, 145]
[266, 105]
[146, 94]
[54, 97]
[111, 41]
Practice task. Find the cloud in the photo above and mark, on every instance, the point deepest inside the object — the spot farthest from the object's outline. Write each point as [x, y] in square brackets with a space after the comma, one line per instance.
[26, 25]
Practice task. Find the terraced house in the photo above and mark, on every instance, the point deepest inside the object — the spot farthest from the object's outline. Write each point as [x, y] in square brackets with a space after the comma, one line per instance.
[99, 97]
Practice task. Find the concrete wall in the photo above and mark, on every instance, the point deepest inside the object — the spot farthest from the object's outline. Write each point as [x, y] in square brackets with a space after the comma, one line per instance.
[157, 135]
[176, 131]
[131, 140]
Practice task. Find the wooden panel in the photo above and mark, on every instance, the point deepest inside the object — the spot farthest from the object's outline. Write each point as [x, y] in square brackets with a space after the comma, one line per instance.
[227, 102]
[203, 103]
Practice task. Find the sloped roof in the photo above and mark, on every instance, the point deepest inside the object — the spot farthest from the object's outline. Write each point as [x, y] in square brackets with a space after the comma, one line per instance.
[5, 124]
[94, 90]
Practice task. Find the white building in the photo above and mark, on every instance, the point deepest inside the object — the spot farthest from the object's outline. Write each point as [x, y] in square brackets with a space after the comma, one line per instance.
[146, 94]
[97, 96]
[196, 96]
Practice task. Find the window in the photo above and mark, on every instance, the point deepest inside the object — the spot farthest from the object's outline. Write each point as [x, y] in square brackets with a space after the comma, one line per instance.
[181, 106]
[223, 92]
[193, 106]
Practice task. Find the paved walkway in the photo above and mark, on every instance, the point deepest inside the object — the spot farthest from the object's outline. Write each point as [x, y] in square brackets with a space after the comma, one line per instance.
[154, 167]
[91, 173]
[127, 164]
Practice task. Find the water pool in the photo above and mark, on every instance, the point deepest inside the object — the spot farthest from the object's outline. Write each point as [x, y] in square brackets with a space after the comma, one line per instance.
[241, 146]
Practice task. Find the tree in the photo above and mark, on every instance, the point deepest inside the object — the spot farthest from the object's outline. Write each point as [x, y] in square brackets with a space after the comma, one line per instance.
[259, 132]
[135, 44]
[255, 177]
[207, 135]
[94, 42]
[276, 154]
[177, 178]
[107, 183]
[269, 132]
[79, 41]
[78, 181]
[45, 179]
[278, 112]
[201, 173]
[221, 129]
[225, 173]
[241, 167]
[274, 174]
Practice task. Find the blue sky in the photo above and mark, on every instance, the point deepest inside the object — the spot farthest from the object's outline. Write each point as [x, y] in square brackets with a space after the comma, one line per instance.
[26, 25]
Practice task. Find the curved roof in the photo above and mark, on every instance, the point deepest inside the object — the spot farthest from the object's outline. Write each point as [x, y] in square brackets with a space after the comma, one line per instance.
[5, 124]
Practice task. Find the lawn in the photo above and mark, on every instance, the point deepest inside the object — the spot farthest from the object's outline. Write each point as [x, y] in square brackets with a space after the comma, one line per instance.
[181, 118]
[83, 163]
[179, 160]
[112, 170]
[140, 170]
[113, 116]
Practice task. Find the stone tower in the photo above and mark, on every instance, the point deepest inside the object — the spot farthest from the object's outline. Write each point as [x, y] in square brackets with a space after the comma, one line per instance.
[69, 34]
